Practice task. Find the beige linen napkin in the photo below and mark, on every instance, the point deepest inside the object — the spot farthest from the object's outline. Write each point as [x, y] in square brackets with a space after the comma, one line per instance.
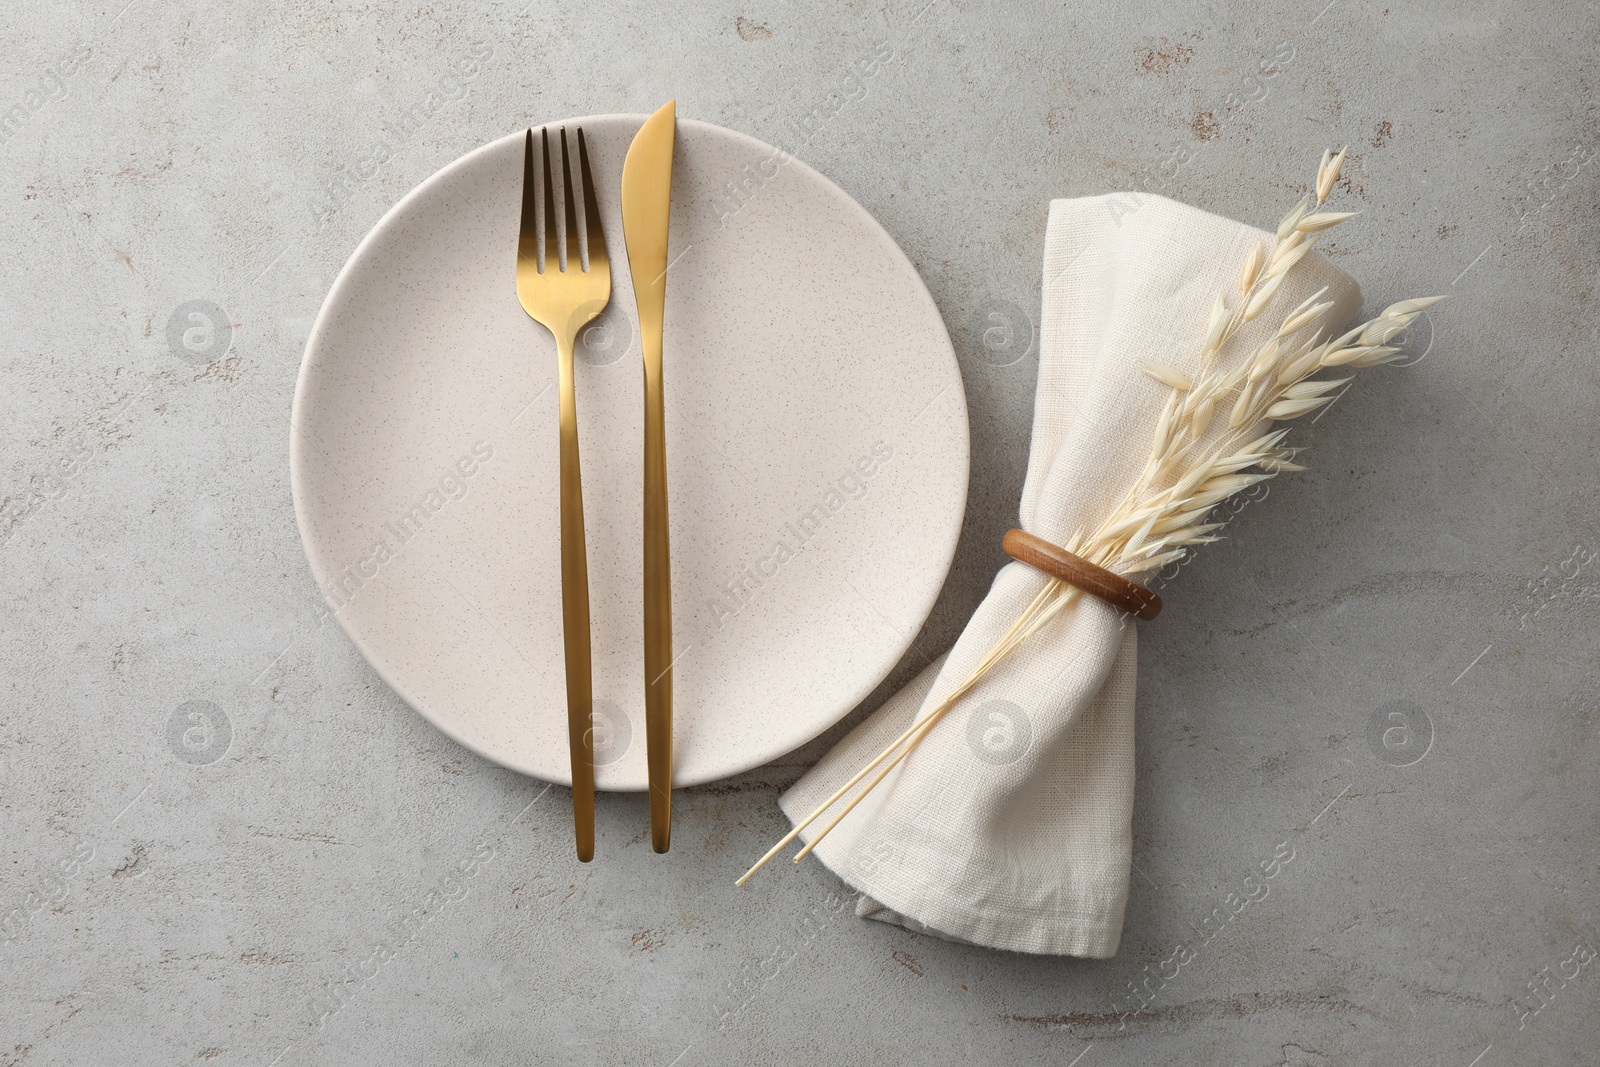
[1010, 825]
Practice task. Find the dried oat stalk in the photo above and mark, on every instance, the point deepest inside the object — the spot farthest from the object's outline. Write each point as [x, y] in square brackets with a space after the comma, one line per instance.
[1207, 444]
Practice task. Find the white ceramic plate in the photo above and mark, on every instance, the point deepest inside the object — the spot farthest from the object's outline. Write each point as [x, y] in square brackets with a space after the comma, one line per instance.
[817, 461]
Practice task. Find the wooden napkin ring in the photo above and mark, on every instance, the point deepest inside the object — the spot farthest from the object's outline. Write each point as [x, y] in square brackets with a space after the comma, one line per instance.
[1057, 562]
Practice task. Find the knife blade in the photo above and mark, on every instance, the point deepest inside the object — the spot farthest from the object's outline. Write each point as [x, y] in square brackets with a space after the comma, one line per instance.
[646, 202]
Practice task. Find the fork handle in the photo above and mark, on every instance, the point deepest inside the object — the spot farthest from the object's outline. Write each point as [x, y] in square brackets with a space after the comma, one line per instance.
[657, 599]
[575, 610]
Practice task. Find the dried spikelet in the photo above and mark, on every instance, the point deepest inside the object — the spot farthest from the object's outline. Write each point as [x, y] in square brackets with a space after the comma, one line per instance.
[1333, 357]
[1302, 365]
[1348, 337]
[1179, 520]
[1233, 377]
[1238, 462]
[1384, 328]
[1328, 173]
[1197, 535]
[1293, 409]
[1169, 463]
[1279, 466]
[1240, 413]
[1308, 312]
[1306, 352]
[1414, 306]
[1267, 442]
[1219, 322]
[1395, 318]
[1263, 362]
[1168, 376]
[1376, 357]
[1123, 526]
[1206, 499]
[1308, 389]
[1252, 268]
[1166, 426]
[1324, 220]
[1140, 535]
[1164, 546]
[1350, 353]
[1217, 490]
[1200, 421]
[1259, 403]
[1147, 549]
[1283, 248]
[1316, 355]
[1263, 297]
[1281, 262]
[1208, 387]
[1155, 563]
[1191, 480]
[1309, 317]
[1270, 439]
[1292, 219]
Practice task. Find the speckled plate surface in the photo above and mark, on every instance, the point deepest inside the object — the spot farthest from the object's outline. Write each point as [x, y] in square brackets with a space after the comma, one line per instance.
[817, 457]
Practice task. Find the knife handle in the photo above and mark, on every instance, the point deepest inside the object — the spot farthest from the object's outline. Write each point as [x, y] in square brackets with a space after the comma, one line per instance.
[657, 608]
[575, 611]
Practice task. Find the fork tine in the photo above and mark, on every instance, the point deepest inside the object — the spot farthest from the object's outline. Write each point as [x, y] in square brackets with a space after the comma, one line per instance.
[572, 261]
[528, 236]
[598, 260]
[550, 260]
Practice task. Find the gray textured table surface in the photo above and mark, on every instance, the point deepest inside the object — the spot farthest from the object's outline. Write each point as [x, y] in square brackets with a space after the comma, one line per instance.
[211, 889]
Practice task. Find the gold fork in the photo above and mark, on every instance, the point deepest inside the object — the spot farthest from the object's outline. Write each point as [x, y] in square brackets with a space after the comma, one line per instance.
[564, 297]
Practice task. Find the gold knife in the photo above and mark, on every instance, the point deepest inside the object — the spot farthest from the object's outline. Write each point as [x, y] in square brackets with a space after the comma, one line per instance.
[646, 198]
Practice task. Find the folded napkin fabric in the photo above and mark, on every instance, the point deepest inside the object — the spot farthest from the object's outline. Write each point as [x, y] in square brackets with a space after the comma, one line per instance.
[1010, 825]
